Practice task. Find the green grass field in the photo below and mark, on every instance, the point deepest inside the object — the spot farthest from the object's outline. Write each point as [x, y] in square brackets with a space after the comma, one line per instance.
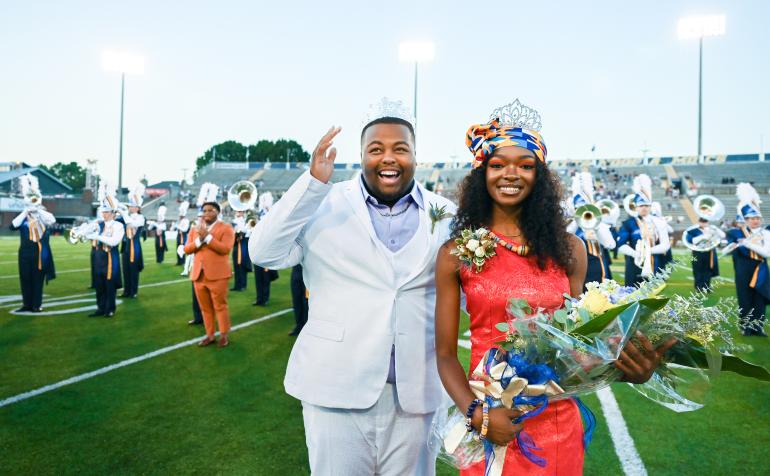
[209, 410]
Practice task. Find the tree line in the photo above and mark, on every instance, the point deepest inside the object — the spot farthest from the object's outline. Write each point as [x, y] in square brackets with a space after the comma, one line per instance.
[282, 150]
[74, 175]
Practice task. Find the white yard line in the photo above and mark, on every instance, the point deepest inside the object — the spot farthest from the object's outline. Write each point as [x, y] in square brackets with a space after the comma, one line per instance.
[92, 293]
[16, 276]
[56, 260]
[124, 363]
[624, 445]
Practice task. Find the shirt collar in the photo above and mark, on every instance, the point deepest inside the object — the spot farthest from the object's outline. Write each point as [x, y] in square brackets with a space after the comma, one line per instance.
[415, 194]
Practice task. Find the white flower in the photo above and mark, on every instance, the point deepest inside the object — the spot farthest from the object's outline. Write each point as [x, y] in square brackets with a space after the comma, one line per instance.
[481, 231]
[472, 245]
[479, 252]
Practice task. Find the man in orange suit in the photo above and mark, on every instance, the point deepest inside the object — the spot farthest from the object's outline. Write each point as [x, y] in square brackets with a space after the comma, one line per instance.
[211, 242]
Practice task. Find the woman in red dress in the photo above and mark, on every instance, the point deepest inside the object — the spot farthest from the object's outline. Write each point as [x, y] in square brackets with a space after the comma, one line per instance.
[512, 192]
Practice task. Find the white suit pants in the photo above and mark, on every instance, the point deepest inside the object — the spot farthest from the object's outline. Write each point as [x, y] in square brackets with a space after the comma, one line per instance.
[381, 440]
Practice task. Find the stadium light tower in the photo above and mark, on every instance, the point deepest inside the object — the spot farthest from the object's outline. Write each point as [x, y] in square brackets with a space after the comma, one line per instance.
[416, 52]
[700, 27]
[122, 62]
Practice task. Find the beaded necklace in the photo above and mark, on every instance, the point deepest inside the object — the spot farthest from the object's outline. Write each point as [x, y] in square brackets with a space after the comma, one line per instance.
[521, 250]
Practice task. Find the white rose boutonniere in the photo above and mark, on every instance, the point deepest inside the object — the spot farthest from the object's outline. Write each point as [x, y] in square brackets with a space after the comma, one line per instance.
[474, 248]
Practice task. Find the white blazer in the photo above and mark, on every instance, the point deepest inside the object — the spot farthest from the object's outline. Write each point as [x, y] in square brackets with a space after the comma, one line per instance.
[357, 309]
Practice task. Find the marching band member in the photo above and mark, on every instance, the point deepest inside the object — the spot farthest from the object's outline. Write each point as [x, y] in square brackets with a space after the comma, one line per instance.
[589, 226]
[705, 264]
[94, 247]
[241, 261]
[656, 210]
[643, 239]
[182, 227]
[36, 264]
[133, 261]
[107, 258]
[188, 262]
[751, 248]
[160, 235]
[265, 203]
[211, 242]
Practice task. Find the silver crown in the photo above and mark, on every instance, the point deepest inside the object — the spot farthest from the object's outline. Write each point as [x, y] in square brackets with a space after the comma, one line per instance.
[389, 108]
[516, 114]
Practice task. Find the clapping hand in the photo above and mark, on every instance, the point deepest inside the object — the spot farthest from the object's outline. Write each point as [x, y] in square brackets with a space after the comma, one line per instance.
[202, 230]
[638, 364]
[322, 162]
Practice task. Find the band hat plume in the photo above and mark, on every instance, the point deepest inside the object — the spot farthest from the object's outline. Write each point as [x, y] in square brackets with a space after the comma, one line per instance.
[748, 201]
[136, 195]
[106, 196]
[582, 189]
[642, 188]
[511, 125]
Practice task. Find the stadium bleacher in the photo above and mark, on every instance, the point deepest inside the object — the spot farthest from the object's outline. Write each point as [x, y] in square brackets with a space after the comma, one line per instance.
[718, 176]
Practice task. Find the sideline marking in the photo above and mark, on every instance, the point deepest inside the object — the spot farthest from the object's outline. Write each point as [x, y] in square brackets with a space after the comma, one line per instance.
[124, 363]
[66, 258]
[624, 445]
[93, 293]
[71, 310]
[11, 276]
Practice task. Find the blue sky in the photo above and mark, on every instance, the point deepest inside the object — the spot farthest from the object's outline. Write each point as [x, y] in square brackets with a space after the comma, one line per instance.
[613, 74]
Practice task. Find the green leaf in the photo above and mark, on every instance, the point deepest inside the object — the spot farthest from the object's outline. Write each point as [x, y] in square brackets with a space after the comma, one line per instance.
[585, 316]
[560, 316]
[502, 326]
[648, 308]
[730, 363]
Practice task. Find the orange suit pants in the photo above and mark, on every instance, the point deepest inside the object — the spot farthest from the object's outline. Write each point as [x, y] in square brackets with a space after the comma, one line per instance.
[212, 297]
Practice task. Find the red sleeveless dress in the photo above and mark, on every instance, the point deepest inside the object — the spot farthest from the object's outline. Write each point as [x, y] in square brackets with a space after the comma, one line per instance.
[559, 429]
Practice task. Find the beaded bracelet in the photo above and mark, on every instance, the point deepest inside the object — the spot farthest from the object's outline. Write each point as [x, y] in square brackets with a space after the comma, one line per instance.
[469, 414]
[484, 421]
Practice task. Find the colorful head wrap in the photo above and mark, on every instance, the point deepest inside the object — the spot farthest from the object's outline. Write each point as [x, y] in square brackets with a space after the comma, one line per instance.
[483, 139]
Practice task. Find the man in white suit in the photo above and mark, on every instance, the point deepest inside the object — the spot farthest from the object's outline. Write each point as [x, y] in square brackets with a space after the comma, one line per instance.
[364, 365]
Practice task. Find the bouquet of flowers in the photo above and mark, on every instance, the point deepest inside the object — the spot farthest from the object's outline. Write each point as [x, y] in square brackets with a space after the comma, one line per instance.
[549, 356]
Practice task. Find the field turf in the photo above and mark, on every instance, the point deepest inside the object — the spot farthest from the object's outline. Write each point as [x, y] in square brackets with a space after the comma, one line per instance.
[224, 411]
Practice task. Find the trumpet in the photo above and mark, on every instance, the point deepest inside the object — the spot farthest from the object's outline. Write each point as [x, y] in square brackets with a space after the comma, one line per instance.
[79, 233]
[755, 238]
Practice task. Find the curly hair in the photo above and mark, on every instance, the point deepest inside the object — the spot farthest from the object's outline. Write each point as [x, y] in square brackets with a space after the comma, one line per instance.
[541, 222]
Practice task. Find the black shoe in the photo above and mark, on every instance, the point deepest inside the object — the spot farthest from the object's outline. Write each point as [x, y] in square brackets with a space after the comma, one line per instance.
[193, 322]
[257, 303]
[132, 296]
[96, 314]
[109, 314]
[23, 309]
[760, 333]
[39, 309]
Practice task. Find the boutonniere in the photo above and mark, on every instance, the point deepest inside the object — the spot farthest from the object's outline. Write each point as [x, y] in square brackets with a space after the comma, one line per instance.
[436, 215]
[474, 248]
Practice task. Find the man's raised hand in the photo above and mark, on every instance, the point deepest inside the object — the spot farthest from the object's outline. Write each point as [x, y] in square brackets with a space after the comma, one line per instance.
[322, 162]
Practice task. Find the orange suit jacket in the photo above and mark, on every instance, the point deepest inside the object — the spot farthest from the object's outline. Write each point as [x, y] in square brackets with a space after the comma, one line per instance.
[212, 259]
